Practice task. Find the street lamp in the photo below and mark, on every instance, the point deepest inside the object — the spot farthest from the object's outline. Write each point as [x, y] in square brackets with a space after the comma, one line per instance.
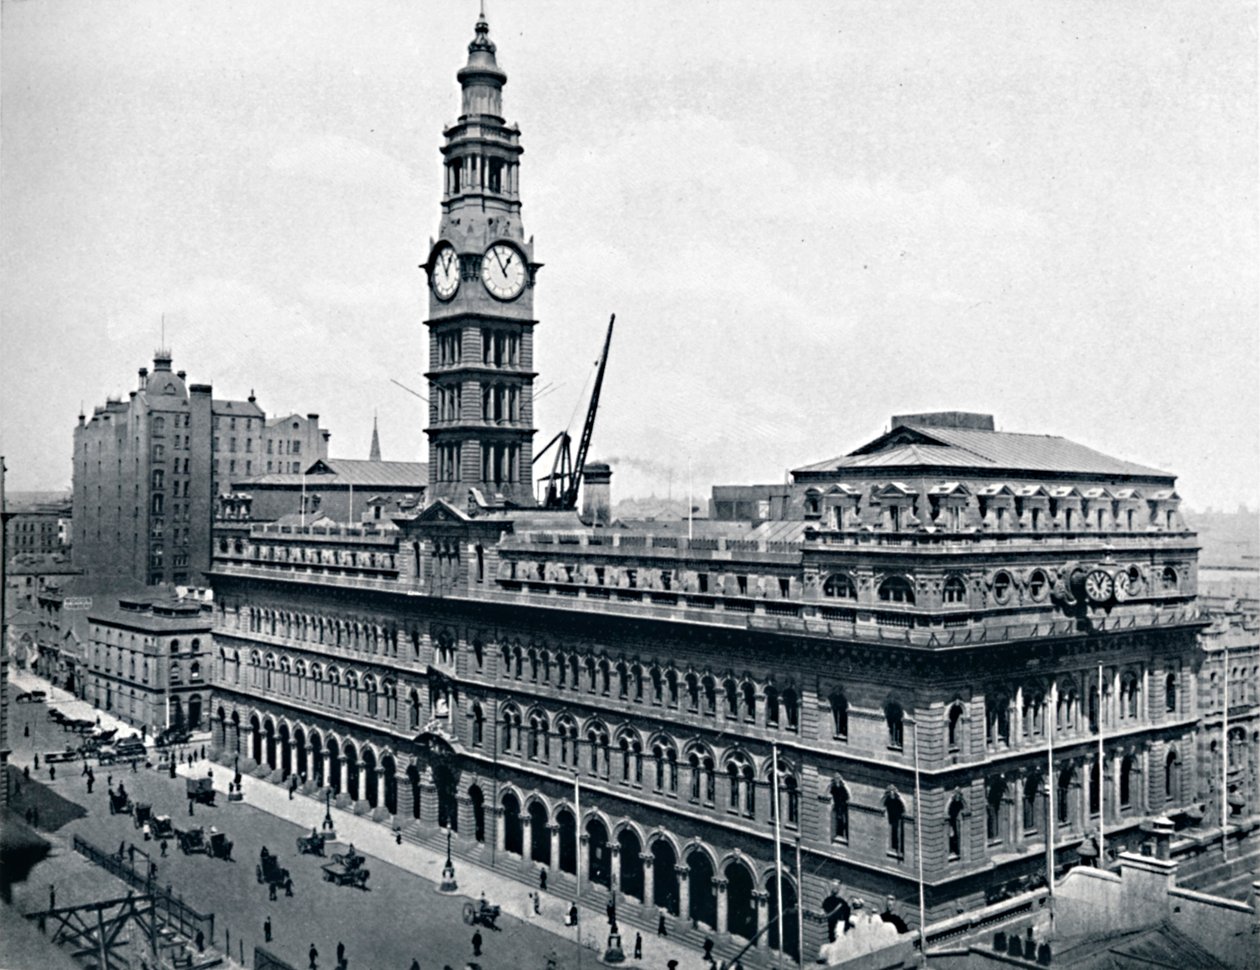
[329, 831]
[448, 884]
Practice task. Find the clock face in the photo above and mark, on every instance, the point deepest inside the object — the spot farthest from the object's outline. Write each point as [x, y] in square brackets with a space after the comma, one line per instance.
[445, 271]
[1099, 585]
[503, 271]
[1126, 585]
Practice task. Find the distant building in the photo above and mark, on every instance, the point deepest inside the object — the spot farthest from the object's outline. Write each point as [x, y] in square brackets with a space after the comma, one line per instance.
[39, 527]
[347, 490]
[29, 573]
[146, 473]
[62, 608]
[291, 444]
[150, 660]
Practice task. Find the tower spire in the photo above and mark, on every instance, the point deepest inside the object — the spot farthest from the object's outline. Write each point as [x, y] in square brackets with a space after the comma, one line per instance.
[375, 454]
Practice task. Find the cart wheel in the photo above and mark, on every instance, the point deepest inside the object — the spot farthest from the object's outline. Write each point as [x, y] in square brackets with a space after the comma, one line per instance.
[469, 914]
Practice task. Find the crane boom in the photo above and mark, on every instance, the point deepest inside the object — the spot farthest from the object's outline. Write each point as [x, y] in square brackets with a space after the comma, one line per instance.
[575, 480]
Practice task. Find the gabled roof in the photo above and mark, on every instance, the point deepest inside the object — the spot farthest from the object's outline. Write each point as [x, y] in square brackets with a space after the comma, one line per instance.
[404, 474]
[973, 448]
[236, 409]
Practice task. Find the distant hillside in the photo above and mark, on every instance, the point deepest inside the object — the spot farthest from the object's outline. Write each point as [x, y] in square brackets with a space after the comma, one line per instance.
[1229, 539]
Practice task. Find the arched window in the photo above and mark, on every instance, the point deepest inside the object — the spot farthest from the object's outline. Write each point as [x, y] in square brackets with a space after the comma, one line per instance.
[953, 825]
[1032, 793]
[1171, 787]
[1130, 690]
[772, 704]
[1170, 693]
[839, 714]
[839, 586]
[709, 686]
[995, 796]
[895, 814]
[539, 746]
[1168, 580]
[1063, 804]
[791, 708]
[749, 691]
[953, 726]
[954, 593]
[895, 719]
[839, 812]
[896, 590]
[1126, 781]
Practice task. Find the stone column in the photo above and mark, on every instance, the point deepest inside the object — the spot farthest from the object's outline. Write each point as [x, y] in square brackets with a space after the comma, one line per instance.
[527, 829]
[500, 833]
[719, 889]
[761, 903]
[553, 829]
[584, 859]
[1017, 718]
[428, 799]
[614, 866]
[406, 800]
[464, 810]
[649, 881]
[380, 790]
[684, 891]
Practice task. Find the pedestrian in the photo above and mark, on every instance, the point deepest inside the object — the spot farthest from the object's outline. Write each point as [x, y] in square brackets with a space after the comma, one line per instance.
[98, 720]
[122, 850]
[162, 846]
[341, 954]
[109, 780]
[271, 891]
[672, 965]
[52, 772]
[476, 942]
[190, 806]
[660, 925]
[267, 930]
[37, 762]
[26, 772]
[611, 909]
[288, 886]
[203, 752]
[537, 904]
[292, 785]
[415, 964]
[133, 765]
[708, 948]
[91, 782]
[313, 954]
[201, 941]
[84, 772]
[52, 896]
[542, 879]
[26, 730]
[638, 945]
[573, 915]
[131, 854]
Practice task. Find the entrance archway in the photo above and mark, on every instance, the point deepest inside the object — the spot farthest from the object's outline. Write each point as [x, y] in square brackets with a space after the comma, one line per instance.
[478, 800]
[631, 863]
[389, 768]
[511, 823]
[413, 779]
[700, 885]
[741, 908]
[568, 840]
[194, 712]
[334, 766]
[269, 735]
[665, 876]
[351, 756]
[255, 734]
[370, 791]
[286, 752]
[539, 836]
[317, 759]
[599, 867]
[299, 745]
[790, 916]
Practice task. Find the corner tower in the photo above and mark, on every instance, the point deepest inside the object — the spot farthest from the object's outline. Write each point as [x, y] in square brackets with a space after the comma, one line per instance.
[481, 274]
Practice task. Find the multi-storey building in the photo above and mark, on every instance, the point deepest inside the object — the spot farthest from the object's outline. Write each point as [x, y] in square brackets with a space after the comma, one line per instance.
[912, 662]
[146, 474]
[150, 660]
[42, 527]
[291, 444]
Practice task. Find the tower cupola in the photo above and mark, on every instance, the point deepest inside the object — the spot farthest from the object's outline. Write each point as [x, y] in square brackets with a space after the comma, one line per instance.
[482, 79]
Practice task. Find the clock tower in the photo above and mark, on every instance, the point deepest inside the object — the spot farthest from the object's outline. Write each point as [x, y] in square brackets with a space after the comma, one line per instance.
[481, 274]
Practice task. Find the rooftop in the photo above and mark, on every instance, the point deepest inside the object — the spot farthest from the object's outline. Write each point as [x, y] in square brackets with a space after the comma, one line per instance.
[337, 472]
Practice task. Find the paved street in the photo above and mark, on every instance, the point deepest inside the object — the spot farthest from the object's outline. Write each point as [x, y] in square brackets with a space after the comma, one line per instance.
[399, 917]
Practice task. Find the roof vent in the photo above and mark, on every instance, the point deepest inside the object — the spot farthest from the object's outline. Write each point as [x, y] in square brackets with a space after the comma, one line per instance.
[944, 419]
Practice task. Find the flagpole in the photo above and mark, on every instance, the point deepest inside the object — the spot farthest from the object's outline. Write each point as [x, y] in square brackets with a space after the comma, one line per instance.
[1102, 787]
[778, 853]
[800, 910]
[918, 828]
[1225, 755]
[303, 513]
[1051, 722]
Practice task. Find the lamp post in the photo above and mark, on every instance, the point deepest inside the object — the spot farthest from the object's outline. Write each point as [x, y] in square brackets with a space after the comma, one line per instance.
[329, 829]
[448, 884]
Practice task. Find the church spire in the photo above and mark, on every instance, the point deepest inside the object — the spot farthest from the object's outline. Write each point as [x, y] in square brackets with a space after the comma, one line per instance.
[375, 454]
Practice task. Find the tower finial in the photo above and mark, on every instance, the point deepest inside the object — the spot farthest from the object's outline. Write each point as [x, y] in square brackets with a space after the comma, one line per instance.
[375, 453]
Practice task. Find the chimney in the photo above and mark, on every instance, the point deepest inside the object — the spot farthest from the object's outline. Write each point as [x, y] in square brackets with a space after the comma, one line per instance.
[181, 374]
[144, 378]
[597, 494]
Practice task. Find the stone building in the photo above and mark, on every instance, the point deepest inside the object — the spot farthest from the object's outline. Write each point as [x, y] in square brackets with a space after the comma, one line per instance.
[41, 527]
[927, 640]
[291, 444]
[150, 659]
[147, 471]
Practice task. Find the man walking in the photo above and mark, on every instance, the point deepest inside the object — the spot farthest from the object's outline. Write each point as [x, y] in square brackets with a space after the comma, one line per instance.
[708, 948]
[638, 945]
[267, 930]
[341, 953]
[52, 896]
[476, 942]
[313, 954]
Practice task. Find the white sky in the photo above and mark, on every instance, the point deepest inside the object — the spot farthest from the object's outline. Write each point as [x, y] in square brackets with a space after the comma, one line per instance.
[807, 217]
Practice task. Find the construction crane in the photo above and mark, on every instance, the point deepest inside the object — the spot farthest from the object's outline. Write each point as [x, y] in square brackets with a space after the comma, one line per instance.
[562, 484]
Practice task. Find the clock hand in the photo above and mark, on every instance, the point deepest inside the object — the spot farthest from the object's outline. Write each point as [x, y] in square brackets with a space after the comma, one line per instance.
[502, 265]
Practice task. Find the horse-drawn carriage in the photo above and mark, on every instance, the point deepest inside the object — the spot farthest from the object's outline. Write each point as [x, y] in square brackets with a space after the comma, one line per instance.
[119, 802]
[481, 912]
[312, 844]
[192, 841]
[143, 814]
[200, 790]
[346, 869]
[220, 846]
[160, 827]
[269, 870]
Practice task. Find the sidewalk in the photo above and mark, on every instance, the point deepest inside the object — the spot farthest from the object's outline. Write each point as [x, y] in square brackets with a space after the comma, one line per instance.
[474, 881]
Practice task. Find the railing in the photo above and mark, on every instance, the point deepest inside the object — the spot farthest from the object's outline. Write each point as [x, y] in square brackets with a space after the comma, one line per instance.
[168, 908]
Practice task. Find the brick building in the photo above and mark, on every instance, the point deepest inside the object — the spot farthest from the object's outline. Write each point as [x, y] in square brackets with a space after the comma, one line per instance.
[291, 444]
[147, 471]
[41, 527]
[150, 660]
[978, 606]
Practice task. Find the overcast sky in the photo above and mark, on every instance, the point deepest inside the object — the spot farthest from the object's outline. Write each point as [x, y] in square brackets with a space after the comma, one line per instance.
[806, 216]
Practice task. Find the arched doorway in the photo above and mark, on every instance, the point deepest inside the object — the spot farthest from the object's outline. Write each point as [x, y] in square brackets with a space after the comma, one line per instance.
[434, 750]
[599, 866]
[665, 876]
[370, 791]
[220, 730]
[194, 712]
[568, 840]
[286, 752]
[334, 766]
[539, 836]
[299, 745]
[255, 733]
[741, 908]
[269, 734]
[351, 757]
[512, 823]
[413, 779]
[317, 759]
[631, 863]
[389, 768]
[790, 916]
[177, 713]
[700, 885]
[478, 801]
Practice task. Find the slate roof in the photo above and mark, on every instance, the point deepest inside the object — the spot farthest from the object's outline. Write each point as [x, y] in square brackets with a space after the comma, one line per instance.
[246, 409]
[348, 471]
[967, 447]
